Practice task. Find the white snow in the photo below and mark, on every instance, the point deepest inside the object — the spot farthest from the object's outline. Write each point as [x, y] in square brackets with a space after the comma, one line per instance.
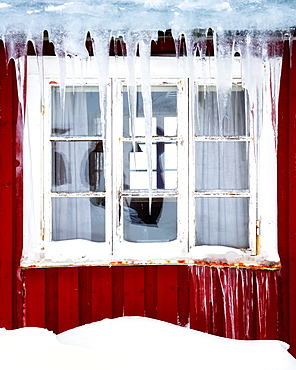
[148, 14]
[136, 343]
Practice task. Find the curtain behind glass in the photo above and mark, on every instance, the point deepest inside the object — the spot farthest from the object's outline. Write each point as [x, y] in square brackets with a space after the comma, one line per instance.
[221, 165]
[77, 166]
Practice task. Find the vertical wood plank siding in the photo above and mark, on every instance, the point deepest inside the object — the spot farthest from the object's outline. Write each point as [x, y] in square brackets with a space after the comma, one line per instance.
[232, 302]
[11, 198]
[236, 303]
[287, 192]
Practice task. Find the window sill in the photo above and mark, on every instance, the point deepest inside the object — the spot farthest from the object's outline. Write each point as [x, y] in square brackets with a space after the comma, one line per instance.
[214, 256]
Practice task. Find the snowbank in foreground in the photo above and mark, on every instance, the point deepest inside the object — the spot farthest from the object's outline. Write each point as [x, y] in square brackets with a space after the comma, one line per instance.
[136, 343]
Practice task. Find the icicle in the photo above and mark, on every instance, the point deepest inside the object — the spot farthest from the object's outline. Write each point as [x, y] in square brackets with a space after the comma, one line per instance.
[229, 285]
[145, 50]
[58, 39]
[101, 52]
[275, 66]
[131, 47]
[224, 56]
[16, 48]
[38, 46]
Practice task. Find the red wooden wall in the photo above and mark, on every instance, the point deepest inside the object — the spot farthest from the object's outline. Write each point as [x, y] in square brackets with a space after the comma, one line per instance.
[287, 191]
[237, 303]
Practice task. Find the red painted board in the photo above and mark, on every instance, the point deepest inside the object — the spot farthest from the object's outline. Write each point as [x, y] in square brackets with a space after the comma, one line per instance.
[217, 310]
[167, 295]
[17, 200]
[118, 291]
[85, 295]
[134, 291]
[34, 311]
[183, 295]
[101, 293]
[292, 204]
[284, 187]
[150, 286]
[200, 298]
[7, 288]
[68, 302]
[51, 299]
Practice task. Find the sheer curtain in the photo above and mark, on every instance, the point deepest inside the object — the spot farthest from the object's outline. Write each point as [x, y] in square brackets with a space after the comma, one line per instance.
[221, 167]
[77, 166]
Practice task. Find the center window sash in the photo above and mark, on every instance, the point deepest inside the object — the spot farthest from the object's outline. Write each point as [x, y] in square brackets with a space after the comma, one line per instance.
[157, 216]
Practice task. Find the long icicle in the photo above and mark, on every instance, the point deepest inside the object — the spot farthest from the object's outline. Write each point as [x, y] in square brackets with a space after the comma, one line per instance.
[101, 44]
[145, 49]
[131, 47]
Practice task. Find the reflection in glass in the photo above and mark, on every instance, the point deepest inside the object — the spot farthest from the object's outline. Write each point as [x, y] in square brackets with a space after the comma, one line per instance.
[77, 166]
[82, 115]
[78, 218]
[140, 225]
[207, 114]
[164, 165]
[221, 165]
[222, 221]
[164, 112]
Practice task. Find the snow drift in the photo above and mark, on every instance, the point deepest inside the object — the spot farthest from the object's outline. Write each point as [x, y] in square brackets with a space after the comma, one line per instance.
[136, 343]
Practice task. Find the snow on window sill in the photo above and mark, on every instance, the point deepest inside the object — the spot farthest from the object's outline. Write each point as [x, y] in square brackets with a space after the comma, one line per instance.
[78, 253]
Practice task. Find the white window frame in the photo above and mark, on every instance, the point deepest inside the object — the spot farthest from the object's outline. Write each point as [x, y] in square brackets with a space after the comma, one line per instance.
[40, 251]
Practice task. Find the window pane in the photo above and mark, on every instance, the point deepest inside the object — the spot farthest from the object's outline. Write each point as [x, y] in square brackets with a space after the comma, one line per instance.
[140, 225]
[82, 115]
[164, 112]
[77, 166]
[222, 221]
[207, 115]
[164, 165]
[221, 165]
[78, 218]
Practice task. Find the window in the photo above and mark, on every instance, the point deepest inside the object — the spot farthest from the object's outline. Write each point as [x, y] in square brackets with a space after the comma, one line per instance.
[112, 182]
[223, 166]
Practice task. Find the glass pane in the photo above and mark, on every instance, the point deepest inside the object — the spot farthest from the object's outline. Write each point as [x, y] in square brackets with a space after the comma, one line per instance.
[164, 112]
[222, 221]
[207, 115]
[164, 166]
[139, 225]
[82, 115]
[77, 166]
[78, 218]
[221, 165]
